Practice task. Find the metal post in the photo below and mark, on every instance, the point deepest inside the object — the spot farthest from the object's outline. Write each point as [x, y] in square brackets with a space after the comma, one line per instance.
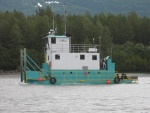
[100, 45]
[53, 14]
[93, 41]
[25, 65]
[65, 16]
[21, 65]
[100, 51]
[111, 52]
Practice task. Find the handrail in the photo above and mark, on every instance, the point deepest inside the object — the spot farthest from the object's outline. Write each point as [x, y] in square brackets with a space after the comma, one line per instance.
[75, 48]
[83, 48]
[31, 65]
[28, 69]
[33, 62]
[26, 61]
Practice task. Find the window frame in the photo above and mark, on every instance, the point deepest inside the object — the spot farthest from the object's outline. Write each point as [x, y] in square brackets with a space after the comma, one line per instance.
[82, 57]
[53, 40]
[57, 56]
[94, 57]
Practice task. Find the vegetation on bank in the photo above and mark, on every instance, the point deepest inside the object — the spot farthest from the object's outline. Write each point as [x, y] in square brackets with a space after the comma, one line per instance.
[126, 38]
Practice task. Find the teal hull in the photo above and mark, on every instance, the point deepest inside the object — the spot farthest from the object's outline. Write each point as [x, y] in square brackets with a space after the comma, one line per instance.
[73, 77]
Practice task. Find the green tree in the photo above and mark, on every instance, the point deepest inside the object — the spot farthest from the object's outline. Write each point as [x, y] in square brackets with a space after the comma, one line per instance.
[120, 28]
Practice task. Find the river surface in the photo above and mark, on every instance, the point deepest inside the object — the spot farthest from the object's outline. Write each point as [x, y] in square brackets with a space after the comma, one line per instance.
[17, 97]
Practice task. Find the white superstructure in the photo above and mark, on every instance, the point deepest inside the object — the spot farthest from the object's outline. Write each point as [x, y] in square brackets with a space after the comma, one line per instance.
[62, 55]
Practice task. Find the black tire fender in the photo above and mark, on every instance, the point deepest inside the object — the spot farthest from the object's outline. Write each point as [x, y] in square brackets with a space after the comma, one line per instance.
[116, 80]
[53, 80]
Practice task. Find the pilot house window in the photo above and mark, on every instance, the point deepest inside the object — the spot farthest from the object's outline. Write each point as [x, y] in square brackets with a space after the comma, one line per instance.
[94, 57]
[82, 57]
[57, 57]
[53, 40]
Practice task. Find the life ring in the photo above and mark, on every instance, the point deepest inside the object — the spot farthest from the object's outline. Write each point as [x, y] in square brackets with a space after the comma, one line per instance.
[52, 80]
[116, 80]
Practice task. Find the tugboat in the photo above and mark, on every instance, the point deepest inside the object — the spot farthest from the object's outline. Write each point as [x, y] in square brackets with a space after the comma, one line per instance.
[67, 63]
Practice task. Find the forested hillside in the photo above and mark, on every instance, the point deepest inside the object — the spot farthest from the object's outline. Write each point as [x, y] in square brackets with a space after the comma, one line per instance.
[126, 38]
[141, 7]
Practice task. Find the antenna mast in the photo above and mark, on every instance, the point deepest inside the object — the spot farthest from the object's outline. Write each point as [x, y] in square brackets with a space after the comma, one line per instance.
[65, 16]
[53, 13]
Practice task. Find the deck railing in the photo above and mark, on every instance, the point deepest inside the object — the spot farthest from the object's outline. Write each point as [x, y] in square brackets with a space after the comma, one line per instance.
[75, 48]
[83, 48]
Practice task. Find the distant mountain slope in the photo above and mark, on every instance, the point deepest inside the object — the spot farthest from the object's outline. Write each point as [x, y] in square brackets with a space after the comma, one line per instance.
[141, 7]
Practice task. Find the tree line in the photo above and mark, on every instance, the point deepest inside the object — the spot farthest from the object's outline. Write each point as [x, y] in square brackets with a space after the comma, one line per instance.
[126, 38]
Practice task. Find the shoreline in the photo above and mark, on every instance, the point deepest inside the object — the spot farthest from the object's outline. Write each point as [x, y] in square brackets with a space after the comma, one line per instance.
[16, 72]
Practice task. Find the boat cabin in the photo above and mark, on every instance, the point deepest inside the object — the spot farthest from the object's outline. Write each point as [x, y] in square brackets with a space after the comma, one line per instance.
[62, 55]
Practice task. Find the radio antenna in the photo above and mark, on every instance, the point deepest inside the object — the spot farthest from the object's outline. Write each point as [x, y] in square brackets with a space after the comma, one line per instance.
[64, 5]
[53, 13]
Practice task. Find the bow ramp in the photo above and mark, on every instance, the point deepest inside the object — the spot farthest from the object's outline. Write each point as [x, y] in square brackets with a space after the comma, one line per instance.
[30, 71]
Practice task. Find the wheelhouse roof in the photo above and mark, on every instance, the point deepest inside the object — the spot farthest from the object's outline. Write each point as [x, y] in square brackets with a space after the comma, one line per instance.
[57, 36]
